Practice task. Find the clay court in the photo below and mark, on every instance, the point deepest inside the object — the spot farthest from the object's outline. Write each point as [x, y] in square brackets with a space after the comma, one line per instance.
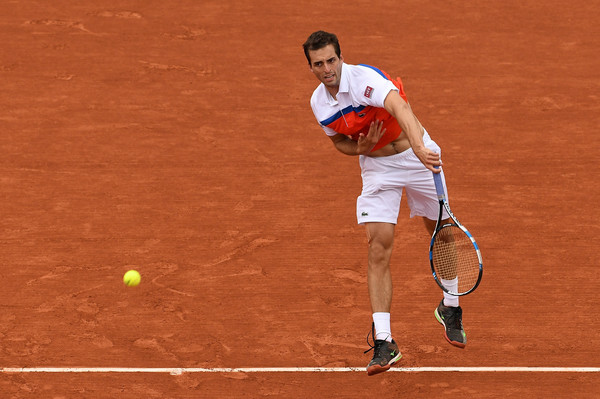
[178, 140]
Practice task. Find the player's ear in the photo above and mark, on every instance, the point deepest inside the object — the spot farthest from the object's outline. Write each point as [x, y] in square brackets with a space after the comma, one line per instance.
[341, 57]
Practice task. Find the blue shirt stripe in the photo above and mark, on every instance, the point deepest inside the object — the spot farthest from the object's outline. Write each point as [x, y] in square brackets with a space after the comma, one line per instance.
[339, 114]
[376, 70]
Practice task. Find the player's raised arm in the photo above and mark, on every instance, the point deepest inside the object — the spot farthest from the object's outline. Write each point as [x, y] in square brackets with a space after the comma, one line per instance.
[400, 109]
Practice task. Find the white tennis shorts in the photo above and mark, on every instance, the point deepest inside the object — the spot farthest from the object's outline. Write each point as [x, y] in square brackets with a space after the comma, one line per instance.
[384, 179]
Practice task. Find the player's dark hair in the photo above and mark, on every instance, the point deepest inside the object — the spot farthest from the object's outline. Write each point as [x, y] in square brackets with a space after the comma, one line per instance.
[318, 40]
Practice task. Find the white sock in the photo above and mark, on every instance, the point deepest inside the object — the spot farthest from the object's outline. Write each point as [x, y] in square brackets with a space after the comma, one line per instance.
[383, 330]
[452, 285]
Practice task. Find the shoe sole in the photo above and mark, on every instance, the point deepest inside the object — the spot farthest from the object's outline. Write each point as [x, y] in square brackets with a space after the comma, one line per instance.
[441, 321]
[376, 369]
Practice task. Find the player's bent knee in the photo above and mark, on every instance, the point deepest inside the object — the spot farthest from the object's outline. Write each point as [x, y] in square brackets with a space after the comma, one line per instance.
[379, 253]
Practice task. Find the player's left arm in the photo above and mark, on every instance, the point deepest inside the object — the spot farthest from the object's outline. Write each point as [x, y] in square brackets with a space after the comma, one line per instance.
[400, 109]
[364, 144]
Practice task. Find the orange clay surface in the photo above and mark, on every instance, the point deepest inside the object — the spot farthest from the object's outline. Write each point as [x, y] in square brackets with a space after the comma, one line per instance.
[176, 138]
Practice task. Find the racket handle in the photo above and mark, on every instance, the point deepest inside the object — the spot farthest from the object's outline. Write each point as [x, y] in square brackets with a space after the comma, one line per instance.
[439, 187]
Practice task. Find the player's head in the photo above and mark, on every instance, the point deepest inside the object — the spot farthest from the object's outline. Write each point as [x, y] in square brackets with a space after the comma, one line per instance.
[325, 59]
[319, 40]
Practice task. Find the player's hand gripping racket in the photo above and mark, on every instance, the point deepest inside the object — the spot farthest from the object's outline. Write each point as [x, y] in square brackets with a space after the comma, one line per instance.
[453, 253]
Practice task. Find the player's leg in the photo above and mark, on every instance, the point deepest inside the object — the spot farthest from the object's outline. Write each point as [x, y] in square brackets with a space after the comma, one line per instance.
[377, 209]
[422, 199]
[379, 279]
[380, 237]
[381, 241]
[448, 312]
[378, 212]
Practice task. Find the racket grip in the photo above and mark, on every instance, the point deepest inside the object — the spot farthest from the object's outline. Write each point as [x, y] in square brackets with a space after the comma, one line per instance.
[439, 187]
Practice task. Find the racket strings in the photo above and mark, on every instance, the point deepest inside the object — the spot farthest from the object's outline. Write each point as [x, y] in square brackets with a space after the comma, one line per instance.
[454, 256]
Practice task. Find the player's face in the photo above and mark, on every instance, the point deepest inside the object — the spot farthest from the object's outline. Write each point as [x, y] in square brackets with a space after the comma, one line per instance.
[326, 65]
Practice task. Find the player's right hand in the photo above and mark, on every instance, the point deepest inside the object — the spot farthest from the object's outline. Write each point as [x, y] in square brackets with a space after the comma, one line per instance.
[430, 159]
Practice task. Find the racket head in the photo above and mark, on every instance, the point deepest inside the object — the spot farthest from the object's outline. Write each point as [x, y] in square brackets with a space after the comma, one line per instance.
[454, 254]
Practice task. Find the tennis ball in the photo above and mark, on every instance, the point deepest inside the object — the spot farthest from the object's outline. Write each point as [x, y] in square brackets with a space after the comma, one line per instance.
[132, 278]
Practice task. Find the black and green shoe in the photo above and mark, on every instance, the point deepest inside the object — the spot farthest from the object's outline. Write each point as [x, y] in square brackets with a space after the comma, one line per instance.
[385, 355]
[451, 319]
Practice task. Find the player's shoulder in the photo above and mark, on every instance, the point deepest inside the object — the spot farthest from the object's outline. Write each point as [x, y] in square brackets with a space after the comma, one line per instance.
[319, 95]
[366, 72]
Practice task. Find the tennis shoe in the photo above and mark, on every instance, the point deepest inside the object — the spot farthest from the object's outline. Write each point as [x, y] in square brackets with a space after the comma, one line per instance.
[451, 319]
[385, 355]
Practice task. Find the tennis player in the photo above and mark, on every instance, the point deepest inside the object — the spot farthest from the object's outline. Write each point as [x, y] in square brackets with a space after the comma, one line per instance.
[365, 113]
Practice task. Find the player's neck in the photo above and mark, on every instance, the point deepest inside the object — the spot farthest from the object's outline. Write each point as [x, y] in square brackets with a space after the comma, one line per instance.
[333, 91]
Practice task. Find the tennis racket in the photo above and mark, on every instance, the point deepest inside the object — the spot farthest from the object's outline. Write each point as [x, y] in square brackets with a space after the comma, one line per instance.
[453, 253]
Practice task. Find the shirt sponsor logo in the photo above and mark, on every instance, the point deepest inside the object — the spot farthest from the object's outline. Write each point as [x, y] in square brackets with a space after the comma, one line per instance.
[368, 91]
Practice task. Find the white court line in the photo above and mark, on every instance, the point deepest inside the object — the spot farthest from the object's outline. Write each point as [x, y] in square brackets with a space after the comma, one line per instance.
[178, 371]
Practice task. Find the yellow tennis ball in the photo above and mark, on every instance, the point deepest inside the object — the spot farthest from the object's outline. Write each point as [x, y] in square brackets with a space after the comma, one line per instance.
[132, 278]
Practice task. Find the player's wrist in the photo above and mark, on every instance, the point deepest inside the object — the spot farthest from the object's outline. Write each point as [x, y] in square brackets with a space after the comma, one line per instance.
[362, 151]
[419, 148]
